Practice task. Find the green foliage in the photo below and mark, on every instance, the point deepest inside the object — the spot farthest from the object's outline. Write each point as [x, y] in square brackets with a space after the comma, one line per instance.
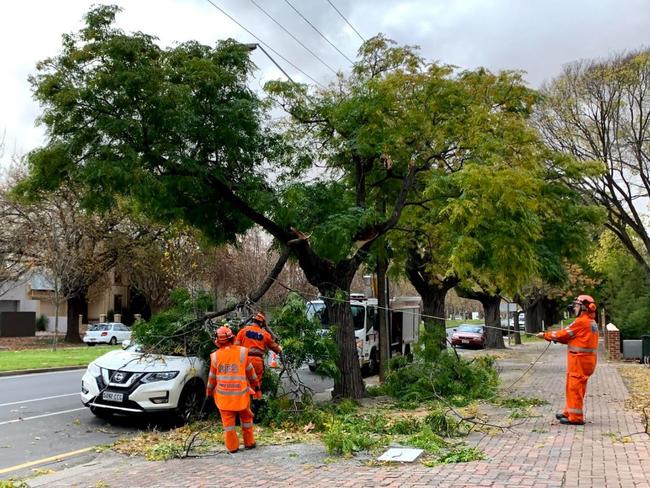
[626, 290]
[444, 425]
[426, 439]
[437, 373]
[13, 483]
[346, 438]
[176, 330]
[41, 323]
[462, 454]
[301, 339]
[164, 451]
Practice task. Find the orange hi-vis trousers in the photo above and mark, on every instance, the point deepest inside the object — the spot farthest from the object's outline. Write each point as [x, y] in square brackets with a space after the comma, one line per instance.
[228, 419]
[580, 366]
[258, 365]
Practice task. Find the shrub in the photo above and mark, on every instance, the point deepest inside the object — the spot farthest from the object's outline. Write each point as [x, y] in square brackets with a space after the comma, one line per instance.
[41, 323]
[346, 438]
[448, 376]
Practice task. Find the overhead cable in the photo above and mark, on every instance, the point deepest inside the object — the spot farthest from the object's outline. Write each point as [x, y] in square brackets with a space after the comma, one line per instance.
[262, 42]
[346, 20]
[293, 37]
[319, 32]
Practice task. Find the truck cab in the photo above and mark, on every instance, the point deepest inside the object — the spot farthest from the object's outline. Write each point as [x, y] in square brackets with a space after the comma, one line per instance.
[403, 317]
[364, 319]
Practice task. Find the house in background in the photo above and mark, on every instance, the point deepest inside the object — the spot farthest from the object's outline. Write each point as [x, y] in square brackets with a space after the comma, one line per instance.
[37, 295]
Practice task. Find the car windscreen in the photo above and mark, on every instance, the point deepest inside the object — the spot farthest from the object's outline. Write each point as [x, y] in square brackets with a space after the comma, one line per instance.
[358, 315]
[470, 328]
[99, 327]
[318, 310]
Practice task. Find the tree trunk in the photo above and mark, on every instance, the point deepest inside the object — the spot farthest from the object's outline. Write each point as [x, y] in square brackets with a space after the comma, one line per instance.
[493, 335]
[433, 291]
[534, 317]
[551, 311]
[382, 310]
[433, 310]
[350, 384]
[77, 305]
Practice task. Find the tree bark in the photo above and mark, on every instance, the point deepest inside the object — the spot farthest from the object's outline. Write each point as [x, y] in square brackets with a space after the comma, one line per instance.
[433, 291]
[77, 305]
[491, 303]
[350, 384]
[493, 334]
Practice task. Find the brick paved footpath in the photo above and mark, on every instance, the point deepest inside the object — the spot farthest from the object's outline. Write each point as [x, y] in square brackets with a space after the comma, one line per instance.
[539, 453]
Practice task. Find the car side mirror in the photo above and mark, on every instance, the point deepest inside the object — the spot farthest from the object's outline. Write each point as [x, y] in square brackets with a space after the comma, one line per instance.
[126, 344]
[453, 330]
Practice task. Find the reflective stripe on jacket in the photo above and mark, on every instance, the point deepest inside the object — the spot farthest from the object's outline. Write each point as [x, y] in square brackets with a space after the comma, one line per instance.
[581, 336]
[229, 378]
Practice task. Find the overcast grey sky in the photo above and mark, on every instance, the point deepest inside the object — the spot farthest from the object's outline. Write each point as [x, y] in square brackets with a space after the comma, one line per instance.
[537, 36]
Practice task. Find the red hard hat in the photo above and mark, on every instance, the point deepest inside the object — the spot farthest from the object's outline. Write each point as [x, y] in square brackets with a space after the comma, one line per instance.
[223, 334]
[586, 302]
[259, 318]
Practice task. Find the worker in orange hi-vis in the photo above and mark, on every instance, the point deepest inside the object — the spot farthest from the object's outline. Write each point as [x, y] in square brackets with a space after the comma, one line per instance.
[231, 381]
[258, 340]
[581, 337]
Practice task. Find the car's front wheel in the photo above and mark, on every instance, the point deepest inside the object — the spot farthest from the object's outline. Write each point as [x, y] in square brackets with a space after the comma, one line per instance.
[190, 401]
[113, 341]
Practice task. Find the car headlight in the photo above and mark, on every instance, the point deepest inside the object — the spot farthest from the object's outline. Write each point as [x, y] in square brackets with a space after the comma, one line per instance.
[94, 370]
[162, 376]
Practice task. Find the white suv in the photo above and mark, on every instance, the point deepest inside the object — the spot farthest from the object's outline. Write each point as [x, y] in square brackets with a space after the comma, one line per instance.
[107, 333]
[131, 382]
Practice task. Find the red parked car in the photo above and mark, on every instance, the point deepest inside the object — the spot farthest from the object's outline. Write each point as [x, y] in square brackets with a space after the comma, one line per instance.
[468, 335]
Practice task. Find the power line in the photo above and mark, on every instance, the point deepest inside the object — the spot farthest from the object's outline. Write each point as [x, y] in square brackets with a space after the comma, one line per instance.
[262, 42]
[293, 37]
[319, 32]
[346, 20]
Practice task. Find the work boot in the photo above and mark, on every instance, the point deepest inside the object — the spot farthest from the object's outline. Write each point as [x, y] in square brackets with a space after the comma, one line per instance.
[252, 446]
[560, 416]
[233, 452]
[566, 421]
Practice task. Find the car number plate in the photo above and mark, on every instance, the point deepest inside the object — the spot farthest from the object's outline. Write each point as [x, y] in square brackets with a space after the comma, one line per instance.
[465, 341]
[113, 397]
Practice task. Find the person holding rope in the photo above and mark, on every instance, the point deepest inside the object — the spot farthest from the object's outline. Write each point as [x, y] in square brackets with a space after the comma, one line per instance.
[231, 380]
[581, 337]
[258, 340]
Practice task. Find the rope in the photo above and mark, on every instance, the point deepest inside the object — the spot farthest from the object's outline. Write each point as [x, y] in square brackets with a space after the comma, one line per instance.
[307, 297]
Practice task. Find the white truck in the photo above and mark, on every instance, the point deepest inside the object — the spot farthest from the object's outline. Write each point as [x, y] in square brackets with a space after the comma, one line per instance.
[404, 323]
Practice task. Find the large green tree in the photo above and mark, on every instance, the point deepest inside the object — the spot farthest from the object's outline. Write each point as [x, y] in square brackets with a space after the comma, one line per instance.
[178, 132]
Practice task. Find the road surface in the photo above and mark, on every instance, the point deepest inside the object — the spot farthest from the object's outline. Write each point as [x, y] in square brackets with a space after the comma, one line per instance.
[41, 416]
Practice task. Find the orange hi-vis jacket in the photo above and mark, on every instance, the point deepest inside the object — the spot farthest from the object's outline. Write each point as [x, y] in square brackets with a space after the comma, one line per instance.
[257, 340]
[231, 377]
[581, 336]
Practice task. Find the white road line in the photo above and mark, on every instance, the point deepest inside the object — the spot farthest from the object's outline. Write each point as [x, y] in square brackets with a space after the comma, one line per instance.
[41, 416]
[38, 399]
